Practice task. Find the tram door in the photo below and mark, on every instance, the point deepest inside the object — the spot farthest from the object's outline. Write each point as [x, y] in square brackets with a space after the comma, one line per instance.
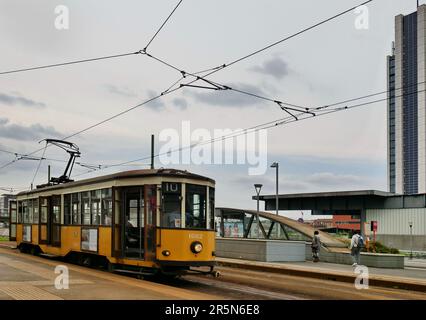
[133, 224]
[13, 219]
[150, 220]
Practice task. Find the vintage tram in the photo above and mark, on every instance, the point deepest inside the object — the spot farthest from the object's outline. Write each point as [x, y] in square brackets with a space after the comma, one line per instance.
[141, 221]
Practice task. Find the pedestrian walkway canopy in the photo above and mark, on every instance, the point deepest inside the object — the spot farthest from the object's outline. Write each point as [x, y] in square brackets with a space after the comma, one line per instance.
[343, 202]
[241, 223]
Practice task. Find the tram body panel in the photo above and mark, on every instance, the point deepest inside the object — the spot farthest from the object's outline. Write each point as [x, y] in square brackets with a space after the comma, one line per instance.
[177, 242]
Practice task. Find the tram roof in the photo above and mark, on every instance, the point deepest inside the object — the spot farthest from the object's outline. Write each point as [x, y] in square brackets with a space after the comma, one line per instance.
[124, 175]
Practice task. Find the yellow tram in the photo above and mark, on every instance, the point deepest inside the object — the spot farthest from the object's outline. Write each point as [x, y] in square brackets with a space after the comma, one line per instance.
[141, 221]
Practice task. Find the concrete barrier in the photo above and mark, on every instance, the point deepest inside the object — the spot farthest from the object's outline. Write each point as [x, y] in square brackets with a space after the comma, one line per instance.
[376, 260]
[261, 250]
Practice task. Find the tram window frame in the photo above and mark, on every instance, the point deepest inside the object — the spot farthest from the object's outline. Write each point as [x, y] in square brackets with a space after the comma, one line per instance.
[171, 215]
[85, 210]
[75, 208]
[36, 213]
[194, 191]
[19, 215]
[95, 207]
[67, 209]
[212, 207]
[56, 210]
[44, 211]
[25, 211]
[30, 211]
[106, 206]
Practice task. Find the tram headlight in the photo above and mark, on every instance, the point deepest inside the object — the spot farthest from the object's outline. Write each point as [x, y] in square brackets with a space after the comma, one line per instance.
[166, 253]
[196, 247]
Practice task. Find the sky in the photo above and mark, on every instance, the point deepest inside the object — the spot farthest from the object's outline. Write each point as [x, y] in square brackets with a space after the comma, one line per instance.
[331, 63]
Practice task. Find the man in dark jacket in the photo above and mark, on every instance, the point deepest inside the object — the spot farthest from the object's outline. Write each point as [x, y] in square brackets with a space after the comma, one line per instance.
[316, 246]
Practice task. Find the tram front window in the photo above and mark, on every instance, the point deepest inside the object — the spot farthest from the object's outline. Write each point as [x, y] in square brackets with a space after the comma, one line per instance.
[195, 216]
[172, 211]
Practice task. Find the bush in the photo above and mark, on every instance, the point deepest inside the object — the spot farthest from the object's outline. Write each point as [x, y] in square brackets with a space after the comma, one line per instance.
[381, 248]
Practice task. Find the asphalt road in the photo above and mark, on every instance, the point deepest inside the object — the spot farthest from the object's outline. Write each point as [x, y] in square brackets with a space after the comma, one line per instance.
[27, 277]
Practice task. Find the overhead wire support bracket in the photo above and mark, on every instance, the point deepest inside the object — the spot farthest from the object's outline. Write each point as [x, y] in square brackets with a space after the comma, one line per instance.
[286, 108]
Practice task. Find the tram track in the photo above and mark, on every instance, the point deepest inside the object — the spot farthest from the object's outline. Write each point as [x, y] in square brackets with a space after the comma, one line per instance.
[233, 284]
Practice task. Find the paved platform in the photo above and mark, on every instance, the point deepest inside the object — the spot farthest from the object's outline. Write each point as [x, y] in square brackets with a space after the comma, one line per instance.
[409, 278]
[25, 277]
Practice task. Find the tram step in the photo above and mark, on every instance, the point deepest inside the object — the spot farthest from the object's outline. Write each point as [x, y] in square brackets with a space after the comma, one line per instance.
[48, 255]
[133, 272]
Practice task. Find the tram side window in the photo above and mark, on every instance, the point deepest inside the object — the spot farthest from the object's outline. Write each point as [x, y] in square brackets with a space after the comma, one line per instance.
[43, 218]
[106, 209]
[75, 208]
[95, 200]
[30, 211]
[195, 215]
[172, 210]
[35, 211]
[85, 207]
[19, 211]
[56, 209]
[25, 212]
[67, 209]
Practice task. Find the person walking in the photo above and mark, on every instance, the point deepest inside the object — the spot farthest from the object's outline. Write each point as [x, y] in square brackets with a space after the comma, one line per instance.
[316, 245]
[357, 243]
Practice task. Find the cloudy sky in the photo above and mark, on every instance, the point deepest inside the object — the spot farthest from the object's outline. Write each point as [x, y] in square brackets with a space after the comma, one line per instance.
[333, 62]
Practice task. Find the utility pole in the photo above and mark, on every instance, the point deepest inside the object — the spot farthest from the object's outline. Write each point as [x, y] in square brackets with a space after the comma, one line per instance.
[152, 151]
[48, 174]
[411, 236]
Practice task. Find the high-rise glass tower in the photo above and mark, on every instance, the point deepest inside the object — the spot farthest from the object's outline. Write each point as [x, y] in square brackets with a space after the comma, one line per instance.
[406, 105]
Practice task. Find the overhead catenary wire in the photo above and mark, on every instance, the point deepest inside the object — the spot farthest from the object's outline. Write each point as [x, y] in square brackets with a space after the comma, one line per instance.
[162, 25]
[61, 64]
[264, 126]
[214, 70]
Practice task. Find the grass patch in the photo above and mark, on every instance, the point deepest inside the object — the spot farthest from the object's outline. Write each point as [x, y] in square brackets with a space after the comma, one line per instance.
[3, 238]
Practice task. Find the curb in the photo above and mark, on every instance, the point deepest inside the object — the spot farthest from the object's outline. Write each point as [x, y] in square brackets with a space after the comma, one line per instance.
[379, 281]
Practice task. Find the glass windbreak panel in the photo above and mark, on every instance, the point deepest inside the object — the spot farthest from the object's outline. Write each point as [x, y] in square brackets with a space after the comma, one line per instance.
[172, 209]
[233, 225]
[212, 207]
[253, 230]
[85, 207]
[67, 209]
[56, 209]
[195, 215]
[277, 233]
[96, 206]
[266, 224]
[75, 208]
[106, 209]
[294, 235]
[35, 211]
[218, 224]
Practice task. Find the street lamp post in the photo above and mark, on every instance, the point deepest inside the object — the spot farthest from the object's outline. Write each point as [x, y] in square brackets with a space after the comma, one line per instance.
[411, 238]
[276, 165]
[258, 187]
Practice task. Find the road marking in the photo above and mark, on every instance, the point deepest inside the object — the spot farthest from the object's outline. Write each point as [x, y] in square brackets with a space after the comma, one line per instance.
[27, 292]
[171, 292]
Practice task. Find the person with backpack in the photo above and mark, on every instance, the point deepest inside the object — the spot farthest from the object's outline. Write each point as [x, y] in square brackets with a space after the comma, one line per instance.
[316, 245]
[357, 243]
